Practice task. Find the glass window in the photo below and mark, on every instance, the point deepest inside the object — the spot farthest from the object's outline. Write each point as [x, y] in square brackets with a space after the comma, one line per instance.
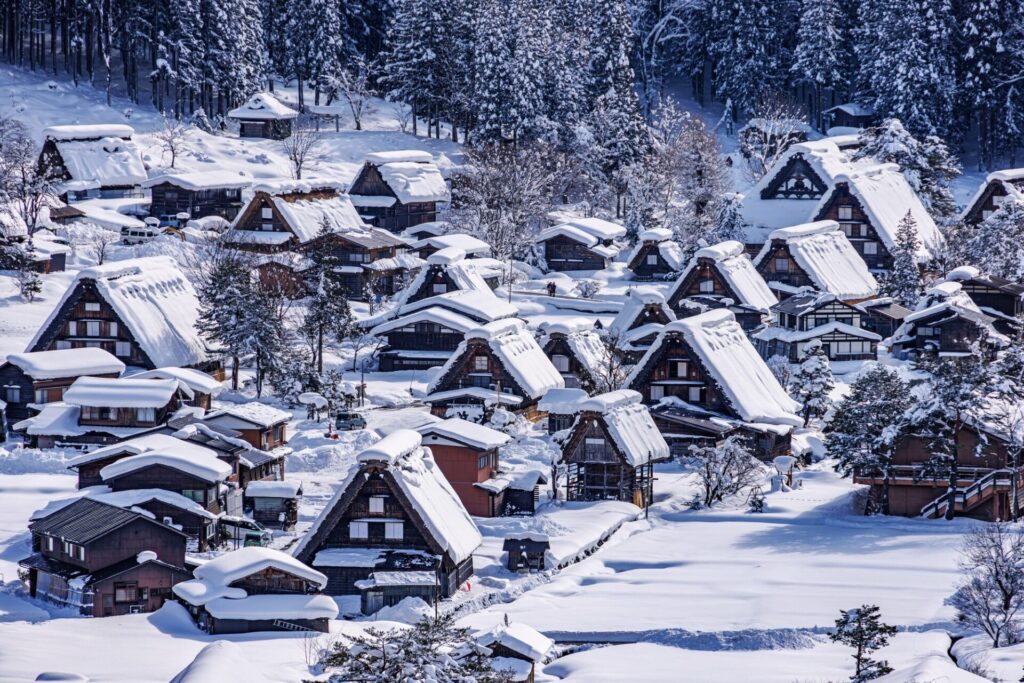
[49, 543]
[480, 363]
[92, 306]
[694, 394]
[359, 530]
[197, 495]
[376, 503]
[125, 592]
[926, 331]
[63, 344]
[145, 414]
[657, 392]
[267, 227]
[439, 289]
[266, 212]
[682, 368]
[782, 265]
[42, 396]
[92, 328]
[112, 329]
[12, 394]
[870, 248]
[560, 362]
[122, 349]
[707, 286]
[652, 259]
[845, 213]
[394, 531]
[73, 328]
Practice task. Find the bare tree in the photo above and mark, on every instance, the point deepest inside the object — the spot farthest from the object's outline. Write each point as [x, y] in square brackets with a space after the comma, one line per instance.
[403, 114]
[99, 241]
[774, 125]
[724, 470]
[611, 374]
[992, 595]
[353, 84]
[303, 146]
[24, 182]
[172, 136]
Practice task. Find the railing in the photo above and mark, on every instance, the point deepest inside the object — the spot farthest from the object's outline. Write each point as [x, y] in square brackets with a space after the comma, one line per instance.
[291, 626]
[962, 496]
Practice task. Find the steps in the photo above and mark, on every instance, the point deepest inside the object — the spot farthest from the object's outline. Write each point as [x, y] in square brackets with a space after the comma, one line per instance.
[969, 497]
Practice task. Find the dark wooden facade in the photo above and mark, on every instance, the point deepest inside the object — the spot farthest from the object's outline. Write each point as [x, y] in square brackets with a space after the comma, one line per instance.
[882, 317]
[261, 216]
[52, 166]
[526, 553]
[396, 217]
[574, 372]
[950, 330]
[648, 264]
[991, 198]
[562, 253]
[418, 346]
[804, 313]
[844, 208]
[597, 470]
[18, 390]
[167, 478]
[479, 367]
[796, 180]
[1000, 298]
[357, 251]
[702, 287]
[279, 129]
[169, 199]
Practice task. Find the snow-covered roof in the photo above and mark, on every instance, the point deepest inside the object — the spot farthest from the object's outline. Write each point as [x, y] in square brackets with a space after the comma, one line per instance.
[1007, 177]
[480, 304]
[273, 489]
[141, 444]
[201, 180]
[414, 471]
[467, 243]
[253, 412]
[630, 425]
[457, 429]
[668, 248]
[823, 251]
[307, 216]
[639, 298]
[477, 393]
[196, 380]
[122, 392]
[156, 302]
[104, 162]
[433, 314]
[735, 267]
[274, 606]
[91, 131]
[598, 227]
[520, 638]
[741, 374]
[263, 106]
[66, 363]
[853, 109]
[136, 497]
[207, 468]
[416, 156]
[417, 180]
[563, 401]
[886, 197]
[55, 419]
[512, 344]
[225, 569]
[585, 343]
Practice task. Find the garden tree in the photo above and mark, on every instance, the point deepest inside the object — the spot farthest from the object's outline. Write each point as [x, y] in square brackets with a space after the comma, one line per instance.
[724, 469]
[303, 147]
[997, 243]
[293, 374]
[23, 184]
[528, 117]
[172, 138]
[956, 239]
[432, 650]
[780, 367]
[866, 424]
[862, 629]
[958, 392]
[812, 382]
[224, 291]
[753, 53]
[903, 282]
[821, 49]
[991, 596]
[927, 163]
[328, 314]
[501, 194]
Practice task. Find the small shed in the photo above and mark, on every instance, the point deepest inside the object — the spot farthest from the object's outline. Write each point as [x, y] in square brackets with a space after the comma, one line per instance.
[526, 551]
[274, 503]
[516, 649]
[561, 405]
[849, 115]
[264, 116]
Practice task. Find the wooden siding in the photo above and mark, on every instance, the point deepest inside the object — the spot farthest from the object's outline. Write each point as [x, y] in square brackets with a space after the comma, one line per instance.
[858, 227]
[169, 199]
[796, 180]
[562, 254]
[168, 479]
[396, 217]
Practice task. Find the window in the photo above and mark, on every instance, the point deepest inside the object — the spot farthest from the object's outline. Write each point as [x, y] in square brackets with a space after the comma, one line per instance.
[92, 328]
[480, 363]
[267, 227]
[122, 349]
[125, 592]
[439, 288]
[870, 248]
[484, 461]
[926, 331]
[845, 213]
[682, 368]
[92, 306]
[394, 531]
[12, 394]
[652, 259]
[267, 213]
[49, 543]
[694, 394]
[63, 344]
[72, 328]
[81, 553]
[197, 495]
[782, 265]
[145, 414]
[657, 392]
[819, 320]
[42, 396]
[376, 503]
[112, 329]
[358, 530]
[707, 286]
[359, 257]
[560, 362]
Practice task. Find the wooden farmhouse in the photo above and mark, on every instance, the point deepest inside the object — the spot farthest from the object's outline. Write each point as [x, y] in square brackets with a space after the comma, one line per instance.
[398, 190]
[274, 504]
[723, 276]
[869, 204]
[204, 387]
[88, 465]
[999, 187]
[101, 410]
[849, 115]
[811, 317]
[499, 364]
[636, 326]
[818, 256]
[256, 589]
[946, 322]
[561, 406]
[1001, 299]
[882, 316]
[103, 560]
[143, 311]
[49, 253]
[611, 450]
[579, 355]
[425, 230]
[707, 365]
[395, 529]
[468, 455]
[264, 116]
[473, 247]
[656, 256]
[446, 270]
[516, 650]
[199, 194]
[92, 161]
[248, 463]
[43, 376]
[199, 478]
[984, 487]
[580, 244]
[426, 332]
[526, 552]
[261, 426]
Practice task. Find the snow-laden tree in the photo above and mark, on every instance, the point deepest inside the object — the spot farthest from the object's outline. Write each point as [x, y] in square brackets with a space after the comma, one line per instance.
[903, 282]
[991, 596]
[224, 289]
[753, 53]
[862, 629]
[328, 315]
[494, 71]
[997, 243]
[926, 163]
[812, 382]
[985, 65]
[724, 470]
[25, 186]
[866, 424]
[821, 49]
[729, 223]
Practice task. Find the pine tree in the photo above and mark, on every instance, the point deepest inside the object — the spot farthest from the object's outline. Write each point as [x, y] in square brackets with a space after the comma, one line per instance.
[985, 65]
[997, 244]
[903, 282]
[494, 71]
[863, 630]
[866, 424]
[328, 314]
[812, 382]
[752, 55]
[821, 49]
[223, 299]
[729, 222]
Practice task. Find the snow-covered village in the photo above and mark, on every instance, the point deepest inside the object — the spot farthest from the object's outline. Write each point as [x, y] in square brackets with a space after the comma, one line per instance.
[592, 341]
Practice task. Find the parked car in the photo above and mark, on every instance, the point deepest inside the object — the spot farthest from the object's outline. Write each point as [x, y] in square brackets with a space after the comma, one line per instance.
[244, 531]
[131, 235]
[349, 420]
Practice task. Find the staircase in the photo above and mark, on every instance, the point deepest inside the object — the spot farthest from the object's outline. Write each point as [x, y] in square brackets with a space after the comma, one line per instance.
[969, 497]
[290, 626]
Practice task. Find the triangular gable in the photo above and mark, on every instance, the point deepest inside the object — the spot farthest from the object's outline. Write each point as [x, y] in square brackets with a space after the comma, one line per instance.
[688, 283]
[797, 179]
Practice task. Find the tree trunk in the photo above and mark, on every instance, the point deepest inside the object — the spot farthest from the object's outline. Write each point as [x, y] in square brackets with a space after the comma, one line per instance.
[320, 350]
[234, 373]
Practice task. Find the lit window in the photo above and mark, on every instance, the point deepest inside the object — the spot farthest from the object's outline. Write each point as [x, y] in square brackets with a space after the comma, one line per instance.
[49, 543]
[394, 531]
[845, 213]
[72, 328]
[681, 368]
[376, 503]
[112, 329]
[358, 530]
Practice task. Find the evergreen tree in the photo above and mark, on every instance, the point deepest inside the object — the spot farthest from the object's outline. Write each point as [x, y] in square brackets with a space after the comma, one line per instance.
[328, 314]
[224, 292]
[729, 223]
[821, 49]
[863, 630]
[753, 54]
[997, 243]
[903, 283]
[494, 71]
[985, 65]
[866, 424]
[812, 382]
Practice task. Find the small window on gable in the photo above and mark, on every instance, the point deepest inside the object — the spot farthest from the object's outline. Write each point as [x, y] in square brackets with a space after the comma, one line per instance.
[782, 265]
[49, 543]
[870, 248]
[92, 328]
[92, 306]
[681, 368]
[707, 286]
[376, 503]
[480, 363]
[657, 392]
[694, 394]
[122, 349]
[845, 213]
[358, 530]
[560, 362]
[652, 259]
[441, 288]
[394, 531]
[267, 213]
[112, 329]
